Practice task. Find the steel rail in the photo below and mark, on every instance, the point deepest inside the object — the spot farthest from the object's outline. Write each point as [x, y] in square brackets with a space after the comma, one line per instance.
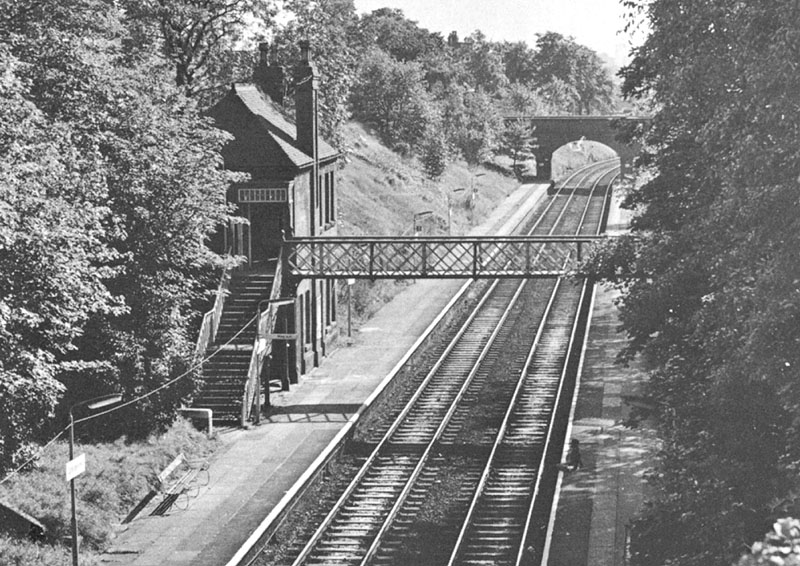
[571, 196]
[586, 171]
[551, 425]
[315, 540]
[585, 286]
[512, 484]
[595, 185]
[432, 374]
[441, 428]
[379, 537]
[501, 434]
[411, 480]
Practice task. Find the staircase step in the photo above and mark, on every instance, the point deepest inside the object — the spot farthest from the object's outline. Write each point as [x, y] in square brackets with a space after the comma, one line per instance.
[224, 375]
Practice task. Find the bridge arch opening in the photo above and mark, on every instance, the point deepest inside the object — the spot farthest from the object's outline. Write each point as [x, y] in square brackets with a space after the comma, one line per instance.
[576, 154]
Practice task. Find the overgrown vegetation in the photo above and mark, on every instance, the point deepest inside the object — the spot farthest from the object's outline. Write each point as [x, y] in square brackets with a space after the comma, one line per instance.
[710, 273]
[102, 270]
[118, 475]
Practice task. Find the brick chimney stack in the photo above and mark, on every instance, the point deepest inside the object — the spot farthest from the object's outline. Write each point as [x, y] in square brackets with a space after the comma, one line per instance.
[268, 75]
[306, 81]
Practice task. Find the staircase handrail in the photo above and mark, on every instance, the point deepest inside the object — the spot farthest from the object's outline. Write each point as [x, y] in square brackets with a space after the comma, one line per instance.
[262, 346]
[210, 324]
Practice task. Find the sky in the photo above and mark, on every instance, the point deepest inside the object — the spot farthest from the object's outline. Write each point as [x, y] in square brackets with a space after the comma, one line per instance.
[594, 23]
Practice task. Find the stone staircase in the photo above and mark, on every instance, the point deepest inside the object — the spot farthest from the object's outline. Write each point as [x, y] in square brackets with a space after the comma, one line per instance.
[225, 374]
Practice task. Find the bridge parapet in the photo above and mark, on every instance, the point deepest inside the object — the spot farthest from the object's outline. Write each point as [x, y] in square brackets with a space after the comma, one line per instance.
[436, 257]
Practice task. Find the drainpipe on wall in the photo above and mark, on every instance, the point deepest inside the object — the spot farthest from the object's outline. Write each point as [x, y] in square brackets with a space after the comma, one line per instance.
[306, 120]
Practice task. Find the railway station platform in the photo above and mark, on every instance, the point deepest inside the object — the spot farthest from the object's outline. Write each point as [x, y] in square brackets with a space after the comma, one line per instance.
[596, 503]
[255, 471]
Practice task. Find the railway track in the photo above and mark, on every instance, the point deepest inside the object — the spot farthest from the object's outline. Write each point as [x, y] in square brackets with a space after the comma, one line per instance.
[469, 446]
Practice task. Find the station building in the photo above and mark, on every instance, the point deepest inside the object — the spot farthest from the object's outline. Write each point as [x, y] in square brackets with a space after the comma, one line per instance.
[291, 193]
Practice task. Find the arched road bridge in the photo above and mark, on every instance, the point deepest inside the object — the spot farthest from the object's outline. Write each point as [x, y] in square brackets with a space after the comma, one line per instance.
[553, 132]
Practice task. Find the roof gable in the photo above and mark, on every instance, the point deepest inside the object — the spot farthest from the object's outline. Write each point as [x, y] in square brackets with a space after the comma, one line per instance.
[270, 120]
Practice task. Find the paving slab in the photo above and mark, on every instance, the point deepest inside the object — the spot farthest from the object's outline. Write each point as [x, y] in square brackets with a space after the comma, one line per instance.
[255, 468]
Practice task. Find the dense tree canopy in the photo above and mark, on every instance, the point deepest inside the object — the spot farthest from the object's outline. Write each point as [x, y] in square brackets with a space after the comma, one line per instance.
[710, 274]
[331, 26]
[561, 59]
[392, 32]
[110, 185]
[197, 36]
[391, 95]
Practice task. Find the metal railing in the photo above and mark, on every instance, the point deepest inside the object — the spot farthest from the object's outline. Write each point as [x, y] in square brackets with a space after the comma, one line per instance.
[210, 324]
[262, 347]
[436, 257]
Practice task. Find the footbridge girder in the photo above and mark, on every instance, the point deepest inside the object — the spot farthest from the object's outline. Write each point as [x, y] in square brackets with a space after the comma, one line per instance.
[488, 257]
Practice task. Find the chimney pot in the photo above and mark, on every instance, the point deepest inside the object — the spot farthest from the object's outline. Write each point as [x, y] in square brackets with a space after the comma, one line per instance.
[306, 84]
[305, 48]
[268, 76]
[263, 49]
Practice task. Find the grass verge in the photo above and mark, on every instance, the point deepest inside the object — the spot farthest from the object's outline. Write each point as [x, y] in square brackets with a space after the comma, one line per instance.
[118, 475]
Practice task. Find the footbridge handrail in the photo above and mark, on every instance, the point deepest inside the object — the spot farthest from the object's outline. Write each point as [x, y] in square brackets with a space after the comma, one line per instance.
[392, 257]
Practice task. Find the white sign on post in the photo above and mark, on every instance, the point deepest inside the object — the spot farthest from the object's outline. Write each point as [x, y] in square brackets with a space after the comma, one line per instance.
[76, 467]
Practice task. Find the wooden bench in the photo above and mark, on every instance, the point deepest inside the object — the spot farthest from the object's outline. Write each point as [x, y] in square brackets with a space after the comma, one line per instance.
[185, 485]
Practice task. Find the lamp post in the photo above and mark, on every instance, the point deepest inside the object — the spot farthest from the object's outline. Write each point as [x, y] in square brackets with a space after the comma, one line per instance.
[93, 404]
[474, 188]
[350, 283]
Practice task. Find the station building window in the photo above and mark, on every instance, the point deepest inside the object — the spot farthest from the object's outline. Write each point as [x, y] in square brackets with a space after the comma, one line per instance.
[330, 302]
[307, 304]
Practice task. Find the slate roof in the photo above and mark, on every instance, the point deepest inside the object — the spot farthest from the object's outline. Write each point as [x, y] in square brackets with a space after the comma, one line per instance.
[283, 132]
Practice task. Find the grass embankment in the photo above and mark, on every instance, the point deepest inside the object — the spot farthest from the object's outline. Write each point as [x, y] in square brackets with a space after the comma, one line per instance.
[379, 193]
[118, 476]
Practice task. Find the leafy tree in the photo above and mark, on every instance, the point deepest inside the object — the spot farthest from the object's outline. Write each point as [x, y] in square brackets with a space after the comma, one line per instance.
[579, 68]
[780, 546]
[434, 153]
[517, 139]
[196, 35]
[403, 39]
[709, 273]
[484, 64]
[472, 124]
[391, 95]
[519, 62]
[522, 100]
[51, 253]
[104, 246]
[444, 70]
[331, 26]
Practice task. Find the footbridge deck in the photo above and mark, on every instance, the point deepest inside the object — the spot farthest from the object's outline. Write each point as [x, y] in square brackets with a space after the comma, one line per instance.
[487, 257]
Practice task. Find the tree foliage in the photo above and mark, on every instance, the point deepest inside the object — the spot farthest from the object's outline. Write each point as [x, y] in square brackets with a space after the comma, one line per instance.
[197, 36]
[560, 59]
[331, 27]
[518, 139]
[472, 124]
[391, 95]
[710, 273]
[110, 185]
[389, 30]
